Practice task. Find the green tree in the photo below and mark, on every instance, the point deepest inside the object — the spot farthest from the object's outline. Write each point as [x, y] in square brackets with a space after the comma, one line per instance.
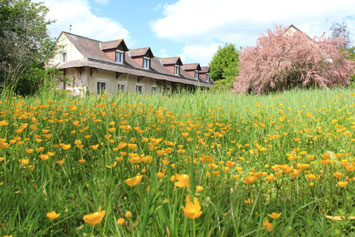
[351, 56]
[25, 45]
[223, 66]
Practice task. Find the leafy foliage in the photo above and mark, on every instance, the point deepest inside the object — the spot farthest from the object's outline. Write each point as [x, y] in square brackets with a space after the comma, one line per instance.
[25, 45]
[282, 60]
[351, 56]
[223, 66]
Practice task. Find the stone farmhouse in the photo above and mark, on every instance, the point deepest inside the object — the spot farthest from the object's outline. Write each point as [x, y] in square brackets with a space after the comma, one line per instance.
[92, 66]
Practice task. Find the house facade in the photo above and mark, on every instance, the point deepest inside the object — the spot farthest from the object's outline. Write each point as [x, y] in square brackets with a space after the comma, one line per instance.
[92, 66]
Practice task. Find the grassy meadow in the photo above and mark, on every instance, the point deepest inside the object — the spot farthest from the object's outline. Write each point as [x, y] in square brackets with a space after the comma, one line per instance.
[203, 164]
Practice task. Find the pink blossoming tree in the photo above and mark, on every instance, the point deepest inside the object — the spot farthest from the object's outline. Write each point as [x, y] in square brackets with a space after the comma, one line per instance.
[284, 59]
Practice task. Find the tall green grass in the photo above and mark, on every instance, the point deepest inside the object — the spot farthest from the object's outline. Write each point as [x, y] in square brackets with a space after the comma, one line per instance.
[253, 133]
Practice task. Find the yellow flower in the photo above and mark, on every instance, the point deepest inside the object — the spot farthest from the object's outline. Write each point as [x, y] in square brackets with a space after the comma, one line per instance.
[4, 123]
[40, 149]
[249, 179]
[94, 218]
[2, 159]
[310, 176]
[29, 151]
[24, 161]
[94, 147]
[343, 184]
[65, 146]
[82, 161]
[184, 134]
[120, 221]
[60, 162]
[76, 123]
[165, 162]
[192, 210]
[111, 166]
[147, 159]
[183, 180]
[338, 175]
[275, 215]
[128, 214]
[199, 189]
[270, 178]
[132, 146]
[160, 175]
[267, 225]
[121, 145]
[43, 157]
[52, 215]
[118, 159]
[134, 181]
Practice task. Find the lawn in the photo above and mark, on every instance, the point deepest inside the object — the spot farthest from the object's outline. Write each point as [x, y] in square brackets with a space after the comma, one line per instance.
[203, 164]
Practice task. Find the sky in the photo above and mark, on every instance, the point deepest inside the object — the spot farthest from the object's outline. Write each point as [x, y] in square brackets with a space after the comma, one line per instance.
[193, 29]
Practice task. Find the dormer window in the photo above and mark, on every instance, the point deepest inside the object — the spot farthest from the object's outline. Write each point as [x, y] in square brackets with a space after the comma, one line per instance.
[177, 70]
[146, 63]
[63, 57]
[207, 77]
[196, 74]
[119, 56]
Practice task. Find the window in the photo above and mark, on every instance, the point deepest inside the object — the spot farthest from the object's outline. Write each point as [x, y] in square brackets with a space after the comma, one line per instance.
[207, 77]
[63, 58]
[139, 89]
[196, 74]
[119, 56]
[101, 86]
[146, 63]
[121, 88]
[154, 89]
[177, 70]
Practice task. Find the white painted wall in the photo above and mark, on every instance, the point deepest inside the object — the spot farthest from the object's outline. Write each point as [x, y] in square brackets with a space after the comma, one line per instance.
[65, 45]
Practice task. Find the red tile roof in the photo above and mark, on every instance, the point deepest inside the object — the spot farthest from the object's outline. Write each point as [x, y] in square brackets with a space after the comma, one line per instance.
[204, 69]
[191, 66]
[171, 61]
[113, 45]
[140, 52]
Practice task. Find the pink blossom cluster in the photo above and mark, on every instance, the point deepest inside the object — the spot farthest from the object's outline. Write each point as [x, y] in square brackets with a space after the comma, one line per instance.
[283, 59]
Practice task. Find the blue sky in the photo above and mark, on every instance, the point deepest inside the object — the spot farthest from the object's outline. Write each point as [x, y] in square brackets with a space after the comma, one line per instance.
[193, 29]
[137, 16]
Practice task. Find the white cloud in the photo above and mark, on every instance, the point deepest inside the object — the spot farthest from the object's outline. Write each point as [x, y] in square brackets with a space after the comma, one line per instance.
[102, 1]
[240, 22]
[78, 13]
[163, 53]
[199, 53]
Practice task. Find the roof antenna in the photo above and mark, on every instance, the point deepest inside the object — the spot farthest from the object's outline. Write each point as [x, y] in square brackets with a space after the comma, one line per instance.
[70, 27]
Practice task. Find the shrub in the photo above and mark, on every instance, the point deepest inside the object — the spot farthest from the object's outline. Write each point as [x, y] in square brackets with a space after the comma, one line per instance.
[284, 59]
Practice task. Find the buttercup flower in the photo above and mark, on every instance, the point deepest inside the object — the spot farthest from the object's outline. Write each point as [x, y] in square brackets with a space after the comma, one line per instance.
[120, 221]
[94, 218]
[52, 215]
[199, 189]
[275, 215]
[343, 184]
[128, 214]
[60, 162]
[183, 180]
[134, 181]
[192, 210]
[249, 179]
[267, 225]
